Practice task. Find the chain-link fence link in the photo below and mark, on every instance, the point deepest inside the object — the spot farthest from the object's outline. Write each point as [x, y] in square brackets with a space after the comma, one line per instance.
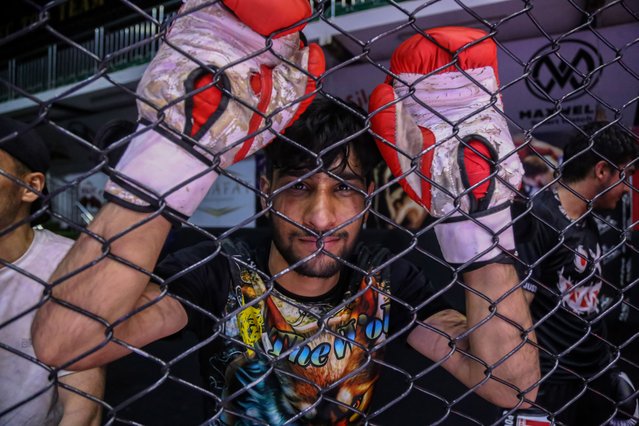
[329, 228]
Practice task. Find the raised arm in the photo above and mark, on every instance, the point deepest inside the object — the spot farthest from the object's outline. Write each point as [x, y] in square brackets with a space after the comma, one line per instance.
[189, 125]
[442, 111]
[492, 350]
[109, 289]
[80, 410]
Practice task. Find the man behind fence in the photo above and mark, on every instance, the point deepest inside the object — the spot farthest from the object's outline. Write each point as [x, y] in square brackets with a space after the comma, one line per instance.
[562, 242]
[293, 327]
[28, 256]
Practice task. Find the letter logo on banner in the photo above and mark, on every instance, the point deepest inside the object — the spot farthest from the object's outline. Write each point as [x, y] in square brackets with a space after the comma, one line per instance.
[566, 73]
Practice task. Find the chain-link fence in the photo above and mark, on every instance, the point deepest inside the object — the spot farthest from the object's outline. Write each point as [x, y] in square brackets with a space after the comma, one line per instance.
[329, 228]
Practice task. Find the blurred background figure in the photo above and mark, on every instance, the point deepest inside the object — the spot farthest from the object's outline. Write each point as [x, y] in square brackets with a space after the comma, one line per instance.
[561, 251]
[28, 256]
[540, 160]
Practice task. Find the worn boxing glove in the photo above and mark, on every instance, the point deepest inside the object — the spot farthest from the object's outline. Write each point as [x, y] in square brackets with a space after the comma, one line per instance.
[439, 129]
[227, 79]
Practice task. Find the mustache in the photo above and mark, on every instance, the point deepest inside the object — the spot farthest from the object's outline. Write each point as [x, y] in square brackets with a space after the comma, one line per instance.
[320, 234]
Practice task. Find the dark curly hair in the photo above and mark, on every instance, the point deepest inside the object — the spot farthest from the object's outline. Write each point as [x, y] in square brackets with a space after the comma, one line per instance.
[327, 131]
[597, 141]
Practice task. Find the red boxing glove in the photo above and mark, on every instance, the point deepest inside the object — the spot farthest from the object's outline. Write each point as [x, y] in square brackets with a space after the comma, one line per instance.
[281, 15]
[209, 95]
[440, 130]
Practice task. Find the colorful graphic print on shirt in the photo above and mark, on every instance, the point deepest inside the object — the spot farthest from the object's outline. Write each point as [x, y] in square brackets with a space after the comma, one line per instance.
[316, 359]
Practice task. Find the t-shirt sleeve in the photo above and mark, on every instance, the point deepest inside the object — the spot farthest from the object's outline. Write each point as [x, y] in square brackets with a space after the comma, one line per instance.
[539, 240]
[413, 296]
[528, 253]
[199, 279]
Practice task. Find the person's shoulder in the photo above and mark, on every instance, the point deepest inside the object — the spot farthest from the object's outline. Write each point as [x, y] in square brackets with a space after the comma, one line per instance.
[368, 256]
[195, 244]
[401, 266]
[209, 252]
[194, 253]
[45, 252]
[50, 244]
[51, 238]
[544, 199]
[367, 247]
[547, 206]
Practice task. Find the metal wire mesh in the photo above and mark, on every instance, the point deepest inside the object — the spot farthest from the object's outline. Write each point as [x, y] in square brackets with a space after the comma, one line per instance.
[181, 379]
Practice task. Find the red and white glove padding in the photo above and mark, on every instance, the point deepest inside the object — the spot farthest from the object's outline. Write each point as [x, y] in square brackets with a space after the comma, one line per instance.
[440, 132]
[188, 124]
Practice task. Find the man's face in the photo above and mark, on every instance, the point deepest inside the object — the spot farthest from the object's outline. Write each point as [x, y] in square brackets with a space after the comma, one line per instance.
[10, 194]
[612, 186]
[331, 210]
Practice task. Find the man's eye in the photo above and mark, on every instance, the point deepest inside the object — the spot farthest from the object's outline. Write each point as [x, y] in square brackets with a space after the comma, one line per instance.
[298, 186]
[344, 187]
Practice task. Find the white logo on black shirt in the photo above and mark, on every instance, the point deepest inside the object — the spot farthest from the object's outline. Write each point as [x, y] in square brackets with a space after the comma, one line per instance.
[581, 297]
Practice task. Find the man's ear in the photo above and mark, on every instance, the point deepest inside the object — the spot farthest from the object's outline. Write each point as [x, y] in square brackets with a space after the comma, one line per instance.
[265, 187]
[36, 181]
[602, 169]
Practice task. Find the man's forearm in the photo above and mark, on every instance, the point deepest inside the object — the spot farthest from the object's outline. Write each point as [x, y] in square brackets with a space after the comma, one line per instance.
[80, 410]
[487, 345]
[500, 323]
[107, 288]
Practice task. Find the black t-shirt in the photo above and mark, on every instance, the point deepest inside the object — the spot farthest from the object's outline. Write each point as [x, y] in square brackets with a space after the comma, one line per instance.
[252, 323]
[566, 282]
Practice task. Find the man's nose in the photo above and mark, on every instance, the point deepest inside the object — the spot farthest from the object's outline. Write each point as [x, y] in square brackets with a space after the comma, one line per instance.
[626, 185]
[321, 211]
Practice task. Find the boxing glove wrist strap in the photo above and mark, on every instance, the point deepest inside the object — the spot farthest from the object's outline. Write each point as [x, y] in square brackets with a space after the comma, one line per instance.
[155, 168]
[462, 238]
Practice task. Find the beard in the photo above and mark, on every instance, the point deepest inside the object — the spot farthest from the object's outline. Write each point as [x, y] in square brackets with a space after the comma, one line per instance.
[320, 265]
[10, 206]
[610, 199]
